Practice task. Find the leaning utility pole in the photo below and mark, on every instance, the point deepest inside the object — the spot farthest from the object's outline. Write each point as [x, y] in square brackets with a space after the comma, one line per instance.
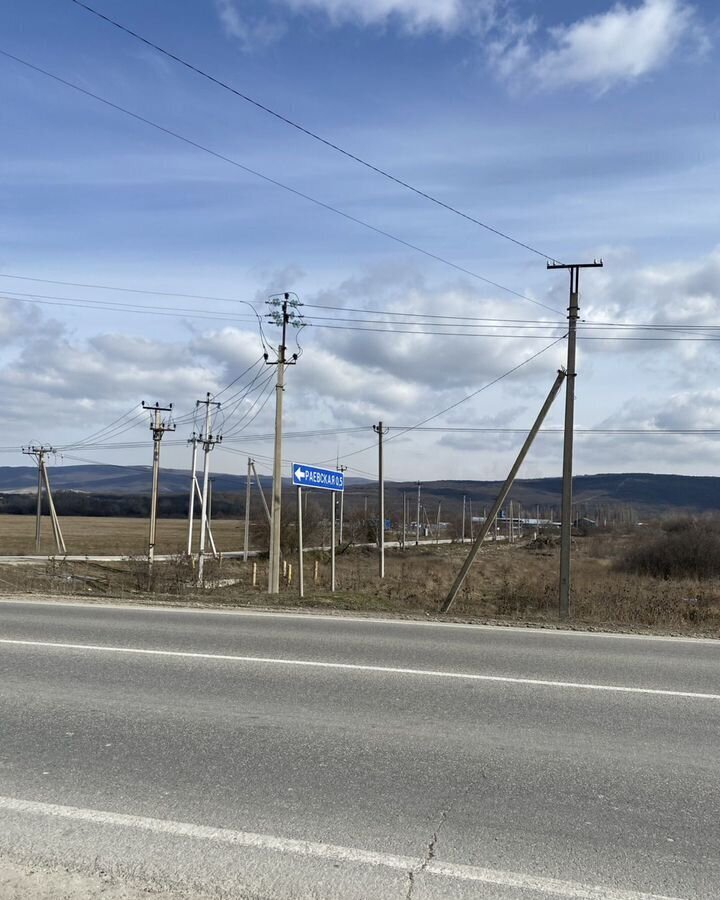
[208, 442]
[39, 454]
[258, 485]
[501, 497]
[566, 515]
[380, 431]
[280, 316]
[158, 426]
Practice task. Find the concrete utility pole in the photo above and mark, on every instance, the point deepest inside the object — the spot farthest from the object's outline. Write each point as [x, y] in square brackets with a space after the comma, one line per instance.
[282, 317]
[39, 454]
[404, 527]
[504, 491]
[248, 486]
[193, 487]
[158, 426]
[342, 469]
[463, 521]
[208, 442]
[417, 521]
[259, 486]
[566, 514]
[380, 431]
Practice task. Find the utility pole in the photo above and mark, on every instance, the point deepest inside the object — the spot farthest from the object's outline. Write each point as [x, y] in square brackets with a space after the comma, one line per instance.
[417, 521]
[193, 487]
[342, 469]
[259, 486]
[463, 521]
[404, 529]
[158, 426]
[282, 317]
[380, 431]
[248, 485]
[39, 454]
[504, 491]
[208, 442]
[566, 514]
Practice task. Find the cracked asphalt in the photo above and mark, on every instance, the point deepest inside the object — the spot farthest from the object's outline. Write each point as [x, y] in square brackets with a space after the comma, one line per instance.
[203, 775]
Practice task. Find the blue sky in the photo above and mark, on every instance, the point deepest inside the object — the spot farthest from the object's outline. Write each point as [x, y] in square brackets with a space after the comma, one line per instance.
[582, 129]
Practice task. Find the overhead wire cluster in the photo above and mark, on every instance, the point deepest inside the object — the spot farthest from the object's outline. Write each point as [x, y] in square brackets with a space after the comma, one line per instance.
[252, 389]
[380, 321]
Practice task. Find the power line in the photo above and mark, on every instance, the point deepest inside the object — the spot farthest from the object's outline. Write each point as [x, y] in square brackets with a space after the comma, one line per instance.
[118, 306]
[260, 392]
[627, 431]
[475, 334]
[412, 318]
[128, 421]
[235, 380]
[239, 451]
[494, 322]
[264, 394]
[105, 432]
[312, 134]
[457, 403]
[233, 162]
[126, 290]
[489, 319]
[706, 333]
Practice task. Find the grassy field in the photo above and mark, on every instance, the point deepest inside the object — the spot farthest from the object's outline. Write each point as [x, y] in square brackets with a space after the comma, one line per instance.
[99, 535]
[515, 583]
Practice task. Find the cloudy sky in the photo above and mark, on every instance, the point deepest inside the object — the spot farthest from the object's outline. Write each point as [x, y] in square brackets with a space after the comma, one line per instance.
[579, 129]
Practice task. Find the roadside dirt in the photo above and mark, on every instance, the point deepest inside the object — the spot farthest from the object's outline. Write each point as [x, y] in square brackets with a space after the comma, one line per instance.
[24, 882]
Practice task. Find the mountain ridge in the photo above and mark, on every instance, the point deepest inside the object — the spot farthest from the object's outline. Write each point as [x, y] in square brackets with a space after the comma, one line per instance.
[648, 492]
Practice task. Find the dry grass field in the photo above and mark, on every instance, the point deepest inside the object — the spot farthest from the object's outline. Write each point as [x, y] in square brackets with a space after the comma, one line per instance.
[515, 583]
[111, 536]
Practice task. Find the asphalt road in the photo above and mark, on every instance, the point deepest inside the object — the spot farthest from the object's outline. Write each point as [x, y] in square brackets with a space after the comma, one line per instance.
[291, 756]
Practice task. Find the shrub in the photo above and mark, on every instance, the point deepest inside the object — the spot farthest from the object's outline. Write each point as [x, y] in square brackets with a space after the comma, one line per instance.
[687, 548]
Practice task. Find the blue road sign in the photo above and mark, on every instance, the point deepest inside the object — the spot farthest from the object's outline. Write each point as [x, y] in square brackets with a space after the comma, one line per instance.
[313, 477]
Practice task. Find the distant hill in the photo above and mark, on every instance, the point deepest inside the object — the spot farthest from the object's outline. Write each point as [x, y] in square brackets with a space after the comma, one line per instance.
[102, 479]
[646, 493]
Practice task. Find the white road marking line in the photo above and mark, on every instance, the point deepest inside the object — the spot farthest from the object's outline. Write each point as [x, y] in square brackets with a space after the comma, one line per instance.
[361, 667]
[339, 618]
[550, 886]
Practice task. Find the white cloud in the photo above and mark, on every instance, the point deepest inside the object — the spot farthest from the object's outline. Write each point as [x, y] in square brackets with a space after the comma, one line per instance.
[415, 15]
[251, 33]
[600, 51]
[412, 16]
[60, 386]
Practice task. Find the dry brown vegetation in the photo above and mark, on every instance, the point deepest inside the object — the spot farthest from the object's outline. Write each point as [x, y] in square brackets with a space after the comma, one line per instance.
[508, 583]
[106, 535]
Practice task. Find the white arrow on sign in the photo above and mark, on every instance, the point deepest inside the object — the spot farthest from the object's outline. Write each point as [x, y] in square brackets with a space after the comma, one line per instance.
[300, 474]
